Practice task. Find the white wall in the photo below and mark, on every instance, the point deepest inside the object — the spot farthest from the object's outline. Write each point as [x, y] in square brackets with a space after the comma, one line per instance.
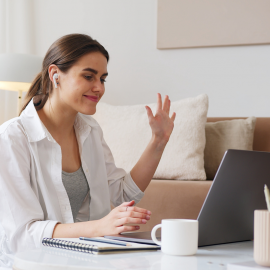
[237, 79]
[16, 36]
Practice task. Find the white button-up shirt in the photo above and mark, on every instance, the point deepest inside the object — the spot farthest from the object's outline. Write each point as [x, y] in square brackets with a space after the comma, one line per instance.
[33, 198]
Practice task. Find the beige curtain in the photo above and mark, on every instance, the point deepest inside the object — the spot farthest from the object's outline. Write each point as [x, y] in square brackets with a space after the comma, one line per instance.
[16, 36]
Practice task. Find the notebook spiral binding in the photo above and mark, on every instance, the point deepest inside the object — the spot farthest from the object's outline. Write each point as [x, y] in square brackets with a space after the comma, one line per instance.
[69, 245]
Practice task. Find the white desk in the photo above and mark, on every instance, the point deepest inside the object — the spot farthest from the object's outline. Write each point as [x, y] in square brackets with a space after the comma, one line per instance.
[210, 258]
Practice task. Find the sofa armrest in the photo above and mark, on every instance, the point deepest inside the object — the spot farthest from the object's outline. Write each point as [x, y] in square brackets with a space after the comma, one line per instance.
[173, 199]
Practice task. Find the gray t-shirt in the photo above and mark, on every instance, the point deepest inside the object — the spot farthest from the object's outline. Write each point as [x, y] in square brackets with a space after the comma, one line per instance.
[77, 188]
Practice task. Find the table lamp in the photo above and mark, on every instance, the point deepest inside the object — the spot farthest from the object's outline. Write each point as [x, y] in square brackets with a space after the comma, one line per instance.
[17, 71]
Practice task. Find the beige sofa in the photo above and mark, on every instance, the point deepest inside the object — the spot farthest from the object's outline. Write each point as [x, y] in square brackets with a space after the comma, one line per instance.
[184, 199]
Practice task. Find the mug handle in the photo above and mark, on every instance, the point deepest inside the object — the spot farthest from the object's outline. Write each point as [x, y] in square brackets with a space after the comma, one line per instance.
[153, 234]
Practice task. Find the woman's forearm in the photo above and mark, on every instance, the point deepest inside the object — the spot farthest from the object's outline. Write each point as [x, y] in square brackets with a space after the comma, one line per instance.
[75, 230]
[162, 126]
[122, 218]
[143, 171]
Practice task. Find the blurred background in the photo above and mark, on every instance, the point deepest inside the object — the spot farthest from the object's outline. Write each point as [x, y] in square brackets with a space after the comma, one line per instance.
[236, 78]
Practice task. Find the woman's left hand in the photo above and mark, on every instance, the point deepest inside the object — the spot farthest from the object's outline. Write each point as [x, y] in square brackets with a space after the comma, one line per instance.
[161, 124]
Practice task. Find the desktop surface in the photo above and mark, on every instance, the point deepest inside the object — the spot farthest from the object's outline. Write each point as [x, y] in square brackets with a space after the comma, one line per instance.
[210, 257]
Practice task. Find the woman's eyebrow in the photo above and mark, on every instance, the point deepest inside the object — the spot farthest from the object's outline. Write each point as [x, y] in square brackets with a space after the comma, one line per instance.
[94, 71]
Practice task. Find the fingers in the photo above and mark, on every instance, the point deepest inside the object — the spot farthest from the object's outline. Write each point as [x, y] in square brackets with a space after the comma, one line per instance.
[166, 104]
[159, 102]
[125, 217]
[133, 214]
[149, 113]
[173, 116]
[125, 214]
[127, 228]
[129, 220]
[135, 209]
[128, 203]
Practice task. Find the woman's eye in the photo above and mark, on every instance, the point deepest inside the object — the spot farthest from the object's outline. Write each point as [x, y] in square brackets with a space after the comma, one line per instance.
[88, 77]
[102, 80]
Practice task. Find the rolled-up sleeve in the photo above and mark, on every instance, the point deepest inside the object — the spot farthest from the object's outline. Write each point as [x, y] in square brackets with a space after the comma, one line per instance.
[122, 187]
[21, 214]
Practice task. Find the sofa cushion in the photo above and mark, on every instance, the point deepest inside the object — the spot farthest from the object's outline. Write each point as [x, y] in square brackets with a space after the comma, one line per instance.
[224, 135]
[127, 132]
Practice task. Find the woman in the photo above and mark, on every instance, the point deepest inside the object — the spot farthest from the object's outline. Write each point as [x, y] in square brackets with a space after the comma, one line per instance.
[57, 174]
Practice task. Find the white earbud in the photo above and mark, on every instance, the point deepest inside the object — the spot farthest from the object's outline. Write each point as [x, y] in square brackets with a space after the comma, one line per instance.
[55, 76]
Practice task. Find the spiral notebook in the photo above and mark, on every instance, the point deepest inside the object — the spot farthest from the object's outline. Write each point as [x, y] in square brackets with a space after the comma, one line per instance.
[76, 244]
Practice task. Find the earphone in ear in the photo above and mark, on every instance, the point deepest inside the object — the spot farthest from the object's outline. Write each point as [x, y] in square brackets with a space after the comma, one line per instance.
[55, 76]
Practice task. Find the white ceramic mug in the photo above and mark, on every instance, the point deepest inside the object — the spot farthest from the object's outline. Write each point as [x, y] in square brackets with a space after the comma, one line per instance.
[262, 237]
[178, 236]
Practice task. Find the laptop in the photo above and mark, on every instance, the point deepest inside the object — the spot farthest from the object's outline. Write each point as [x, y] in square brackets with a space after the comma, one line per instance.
[228, 210]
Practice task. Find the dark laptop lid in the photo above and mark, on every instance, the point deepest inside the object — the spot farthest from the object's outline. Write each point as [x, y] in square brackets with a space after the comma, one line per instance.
[237, 190]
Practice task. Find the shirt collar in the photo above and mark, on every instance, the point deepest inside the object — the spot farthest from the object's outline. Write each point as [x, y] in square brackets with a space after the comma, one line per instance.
[36, 131]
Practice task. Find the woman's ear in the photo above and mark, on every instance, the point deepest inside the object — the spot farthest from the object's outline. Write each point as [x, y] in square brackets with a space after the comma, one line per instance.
[53, 72]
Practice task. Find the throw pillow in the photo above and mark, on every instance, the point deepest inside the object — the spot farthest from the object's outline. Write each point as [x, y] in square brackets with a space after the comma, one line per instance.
[224, 135]
[127, 132]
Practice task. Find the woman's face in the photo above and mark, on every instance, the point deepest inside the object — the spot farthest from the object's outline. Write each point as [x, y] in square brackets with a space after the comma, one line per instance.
[83, 85]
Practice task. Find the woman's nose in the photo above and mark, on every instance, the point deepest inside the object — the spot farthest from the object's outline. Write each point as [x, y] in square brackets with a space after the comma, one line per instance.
[98, 86]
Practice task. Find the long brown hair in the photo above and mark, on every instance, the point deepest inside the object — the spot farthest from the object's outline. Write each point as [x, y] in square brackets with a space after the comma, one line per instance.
[64, 53]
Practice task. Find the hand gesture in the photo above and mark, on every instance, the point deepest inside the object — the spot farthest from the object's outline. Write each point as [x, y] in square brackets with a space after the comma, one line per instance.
[161, 124]
[115, 222]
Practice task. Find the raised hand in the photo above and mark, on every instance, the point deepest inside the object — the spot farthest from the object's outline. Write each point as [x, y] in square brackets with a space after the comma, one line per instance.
[161, 124]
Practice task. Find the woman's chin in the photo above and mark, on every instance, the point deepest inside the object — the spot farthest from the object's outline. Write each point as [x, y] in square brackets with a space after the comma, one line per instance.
[88, 111]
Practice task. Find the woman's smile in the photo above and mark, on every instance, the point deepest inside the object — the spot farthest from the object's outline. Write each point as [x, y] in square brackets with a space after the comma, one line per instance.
[92, 98]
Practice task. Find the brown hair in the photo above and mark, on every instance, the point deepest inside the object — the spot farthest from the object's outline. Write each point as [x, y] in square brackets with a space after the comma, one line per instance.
[64, 52]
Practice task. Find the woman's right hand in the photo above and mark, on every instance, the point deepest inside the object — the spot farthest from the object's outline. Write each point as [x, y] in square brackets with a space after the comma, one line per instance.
[116, 221]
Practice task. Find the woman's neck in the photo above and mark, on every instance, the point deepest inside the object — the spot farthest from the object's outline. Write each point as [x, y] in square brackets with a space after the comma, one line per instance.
[58, 118]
